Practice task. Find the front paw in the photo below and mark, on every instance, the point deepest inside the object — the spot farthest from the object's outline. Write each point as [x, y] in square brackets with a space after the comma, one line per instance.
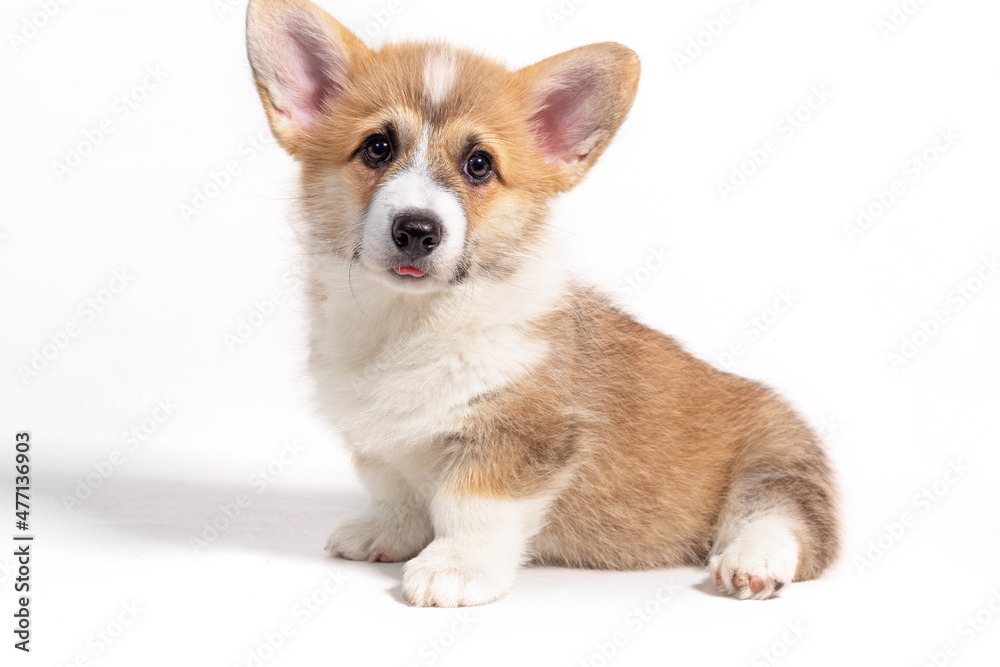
[441, 577]
[383, 534]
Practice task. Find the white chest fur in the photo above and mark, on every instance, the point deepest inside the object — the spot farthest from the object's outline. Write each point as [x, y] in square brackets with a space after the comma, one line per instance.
[394, 370]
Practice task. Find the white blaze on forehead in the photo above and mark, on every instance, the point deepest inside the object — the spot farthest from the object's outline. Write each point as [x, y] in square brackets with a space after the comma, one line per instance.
[419, 160]
[439, 74]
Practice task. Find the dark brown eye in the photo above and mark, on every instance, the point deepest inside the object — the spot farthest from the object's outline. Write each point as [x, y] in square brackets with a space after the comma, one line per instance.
[479, 166]
[377, 150]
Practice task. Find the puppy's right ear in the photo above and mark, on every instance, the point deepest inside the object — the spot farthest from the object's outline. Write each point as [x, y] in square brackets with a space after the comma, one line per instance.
[302, 61]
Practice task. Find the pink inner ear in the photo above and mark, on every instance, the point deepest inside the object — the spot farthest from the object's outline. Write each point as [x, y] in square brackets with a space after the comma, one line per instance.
[312, 75]
[563, 122]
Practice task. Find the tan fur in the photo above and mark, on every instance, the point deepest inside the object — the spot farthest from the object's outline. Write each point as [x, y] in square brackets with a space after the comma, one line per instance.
[645, 444]
[644, 448]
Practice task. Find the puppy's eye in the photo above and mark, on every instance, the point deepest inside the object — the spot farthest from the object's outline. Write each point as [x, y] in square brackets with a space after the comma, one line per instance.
[377, 150]
[479, 166]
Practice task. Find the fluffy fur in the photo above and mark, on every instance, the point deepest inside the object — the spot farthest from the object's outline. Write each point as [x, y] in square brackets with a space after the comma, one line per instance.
[498, 410]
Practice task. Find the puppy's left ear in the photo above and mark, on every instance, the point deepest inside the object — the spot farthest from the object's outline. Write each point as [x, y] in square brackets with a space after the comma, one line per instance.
[579, 100]
[302, 61]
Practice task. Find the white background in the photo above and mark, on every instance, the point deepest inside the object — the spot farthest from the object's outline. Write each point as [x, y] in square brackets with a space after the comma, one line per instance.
[915, 568]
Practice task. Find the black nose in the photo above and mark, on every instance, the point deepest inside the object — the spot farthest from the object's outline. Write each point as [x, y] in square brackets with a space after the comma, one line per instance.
[416, 234]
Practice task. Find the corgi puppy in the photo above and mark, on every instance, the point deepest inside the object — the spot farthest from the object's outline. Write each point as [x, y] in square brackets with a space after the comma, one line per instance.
[499, 410]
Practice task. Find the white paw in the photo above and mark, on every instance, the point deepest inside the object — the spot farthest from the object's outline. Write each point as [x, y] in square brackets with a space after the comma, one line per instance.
[384, 534]
[439, 577]
[757, 564]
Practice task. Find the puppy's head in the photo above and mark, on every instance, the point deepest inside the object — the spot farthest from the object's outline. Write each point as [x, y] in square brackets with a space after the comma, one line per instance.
[427, 164]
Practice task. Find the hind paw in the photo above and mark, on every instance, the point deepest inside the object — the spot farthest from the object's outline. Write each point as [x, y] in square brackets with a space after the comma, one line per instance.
[757, 564]
[749, 576]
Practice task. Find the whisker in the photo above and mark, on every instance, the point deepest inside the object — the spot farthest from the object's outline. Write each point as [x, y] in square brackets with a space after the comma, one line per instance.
[350, 282]
[458, 309]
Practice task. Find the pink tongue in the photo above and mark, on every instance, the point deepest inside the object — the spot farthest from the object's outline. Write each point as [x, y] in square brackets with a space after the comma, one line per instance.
[408, 271]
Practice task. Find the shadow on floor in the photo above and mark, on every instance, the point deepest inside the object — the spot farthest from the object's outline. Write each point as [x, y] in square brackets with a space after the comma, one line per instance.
[200, 516]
